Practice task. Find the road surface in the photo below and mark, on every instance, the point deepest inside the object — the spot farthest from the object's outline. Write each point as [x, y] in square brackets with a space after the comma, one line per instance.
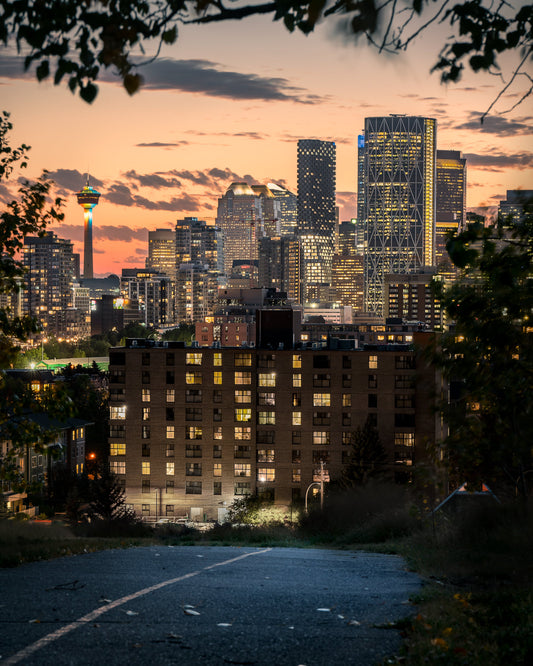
[205, 605]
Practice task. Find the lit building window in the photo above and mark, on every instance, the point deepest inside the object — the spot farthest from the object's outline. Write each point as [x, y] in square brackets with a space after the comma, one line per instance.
[346, 400]
[145, 467]
[193, 358]
[243, 469]
[170, 468]
[194, 377]
[297, 380]
[243, 432]
[267, 379]
[321, 399]
[171, 395]
[266, 398]
[266, 418]
[217, 469]
[217, 377]
[321, 437]
[170, 432]
[118, 467]
[265, 455]
[243, 377]
[296, 476]
[145, 395]
[296, 418]
[117, 412]
[266, 474]
[243, 359]
[193, 432]
[217, 432]
[372, 362]
[243, 414]
[243, 396]
[217, 359]
[146, 413]
[296, 360]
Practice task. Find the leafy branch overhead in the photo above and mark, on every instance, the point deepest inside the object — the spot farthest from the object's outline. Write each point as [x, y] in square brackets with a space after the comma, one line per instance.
[74, 40]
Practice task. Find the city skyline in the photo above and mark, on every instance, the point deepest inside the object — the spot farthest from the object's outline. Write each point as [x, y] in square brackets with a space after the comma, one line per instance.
[172, 150]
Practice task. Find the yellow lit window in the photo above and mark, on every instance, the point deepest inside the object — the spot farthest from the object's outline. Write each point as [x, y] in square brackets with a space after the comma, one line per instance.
[145, 467]
[194, 377]
[171, 395]
[243, 396]
[266, 474]
[296, 360]
[243, 414]
[117, 412]
[346, 400]
[266, 418]
[321, 399]
[170, 468]
[297, 380]
[243, 469]
[217, 469]
[372, 362]
[296, 418]
[217, 377]
[170, 432]
[243, 377]
[117, 449]
[193, 358]
[217, 432]
[217, 359]
[146, 413]
[118, 467]
[145, 395]
[296, 476]
[243, 432]
[267, 379]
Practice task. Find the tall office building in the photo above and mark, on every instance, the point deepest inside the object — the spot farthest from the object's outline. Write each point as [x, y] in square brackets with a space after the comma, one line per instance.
[288, 209]
[361, 179]
[279, 265]
[450, 202]
[162, 252]
[316, 186]
[400, 155]
[513, 206]
[88, 198]
[348, 269]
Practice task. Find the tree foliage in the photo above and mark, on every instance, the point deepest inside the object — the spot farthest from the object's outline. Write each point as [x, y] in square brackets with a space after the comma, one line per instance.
[367, 457]
[488, 355]
[75, 40]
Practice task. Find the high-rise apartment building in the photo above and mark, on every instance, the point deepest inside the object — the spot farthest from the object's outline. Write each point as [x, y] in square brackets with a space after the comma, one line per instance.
[450, 202]
[162, 252]
[316, 187]
[49, 293]
[348, 269]
[288, 209]
[154, 294]
[197, 241]
[280, 265]
[399, 174]
[196, 291]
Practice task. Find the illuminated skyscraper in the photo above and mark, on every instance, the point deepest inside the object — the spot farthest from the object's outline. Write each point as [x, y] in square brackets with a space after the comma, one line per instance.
[162, 252]
[316, 186]
[451, 202]
[288, 209]
[399, 174]
[88, 198]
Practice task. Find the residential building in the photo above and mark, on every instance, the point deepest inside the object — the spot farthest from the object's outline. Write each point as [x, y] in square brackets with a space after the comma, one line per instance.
[411, 297]
[154, 294]
[288, 209]
[162, 252]
[450, 214]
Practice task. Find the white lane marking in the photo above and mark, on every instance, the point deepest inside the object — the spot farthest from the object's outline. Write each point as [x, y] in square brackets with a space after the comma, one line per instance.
[59, 633]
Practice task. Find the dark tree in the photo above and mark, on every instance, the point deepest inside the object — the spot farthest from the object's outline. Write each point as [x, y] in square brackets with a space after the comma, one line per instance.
[107, 498]
[487, 356]
[367, 457]
[74, 40]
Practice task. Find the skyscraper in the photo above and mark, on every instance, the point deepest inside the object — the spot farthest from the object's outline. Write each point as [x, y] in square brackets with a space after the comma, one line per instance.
[399, 174]
[162, 251]
[288, 209]
[88, 198]
[316, 186]
[450, 202]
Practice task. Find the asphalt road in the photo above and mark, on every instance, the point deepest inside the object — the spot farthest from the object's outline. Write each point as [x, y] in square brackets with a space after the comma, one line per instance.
[205, 605]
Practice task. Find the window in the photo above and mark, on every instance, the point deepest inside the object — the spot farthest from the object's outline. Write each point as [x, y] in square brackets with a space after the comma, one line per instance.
[145, 376]
[346, 455]
[170, 358]
[297, 380]
[193, 395]
[170, 469]
[217, 432]
[217, 377]
[407, 401]
[145, 509]
[404, 438]
[296, 418]
[243, 469]
[321, 418]
[145, 434]
[193, 432]
[242, 488]
[265, 455]
[346, 399]
[266, 418]
[171, 395]
[321, 437]
[346, 419]
[145, 395]
[217, 414]
[266, 379]
[296, 360]
[193, 413]
[372, 362]
[193, 377]
[117, 467]
[372, 419]
[296, 399]
[117, 376]
[242, 432]
[217, 450]
[117, 394]
[405, 362]
[266, 360]
[321, 361]
[217, 395]
[265, 436]
[169, 452]
[266, 474]
[321, 380]
[372, 400]
[169, 413]
[117, 412]
[404, 420]
[321, 399]
[320, 456]
[145, 450]
[346, 362]
[193, 450]
[346, 381]
[243, 396]
[242, 451]
[193, 469]
[217, 358]
[296, 436]
[296, 475]
[266, 399]
[243, 377]
[117, 449]
[146, 413]
[145, 358]
[193, 487]
[372, 381]
[243, 359]
[217, 487]
[170, 432]
[193, 358]
[145, 485]
[169, 487]
[243, 414]
[169, 509]
[145, 467]
[170, 377]
[404, 381]
[217, 469]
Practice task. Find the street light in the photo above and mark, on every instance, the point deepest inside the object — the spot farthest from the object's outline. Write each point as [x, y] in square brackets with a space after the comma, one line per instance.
[307, 491]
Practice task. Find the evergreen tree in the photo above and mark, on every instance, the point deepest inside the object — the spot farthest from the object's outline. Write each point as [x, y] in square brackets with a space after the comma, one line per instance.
[367, 457]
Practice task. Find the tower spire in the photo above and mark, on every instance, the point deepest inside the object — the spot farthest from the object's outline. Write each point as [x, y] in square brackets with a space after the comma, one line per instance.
[88, 198]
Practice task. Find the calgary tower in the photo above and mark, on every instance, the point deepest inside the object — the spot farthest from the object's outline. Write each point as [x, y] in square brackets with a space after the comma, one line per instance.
[88, 199]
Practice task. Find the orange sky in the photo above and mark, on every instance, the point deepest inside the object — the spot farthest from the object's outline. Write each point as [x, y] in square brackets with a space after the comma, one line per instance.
[230, 101]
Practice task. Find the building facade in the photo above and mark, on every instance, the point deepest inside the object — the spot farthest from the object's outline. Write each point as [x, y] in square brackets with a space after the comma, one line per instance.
[399, 174]
[162, 252]
[450, 203]
[192, 429]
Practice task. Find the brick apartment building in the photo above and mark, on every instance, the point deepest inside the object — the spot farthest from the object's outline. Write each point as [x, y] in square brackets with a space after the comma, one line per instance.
[193, 428]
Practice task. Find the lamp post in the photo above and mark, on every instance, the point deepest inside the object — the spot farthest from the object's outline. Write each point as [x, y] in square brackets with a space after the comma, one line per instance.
[315, 483]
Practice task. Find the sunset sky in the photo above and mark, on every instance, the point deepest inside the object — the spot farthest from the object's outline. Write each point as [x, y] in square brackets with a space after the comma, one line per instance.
[229, 102]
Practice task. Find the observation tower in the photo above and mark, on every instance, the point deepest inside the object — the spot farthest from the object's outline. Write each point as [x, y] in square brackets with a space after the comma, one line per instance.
[88, 198]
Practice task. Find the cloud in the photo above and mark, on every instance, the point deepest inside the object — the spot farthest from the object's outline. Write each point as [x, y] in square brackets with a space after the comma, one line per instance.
[208, 78]
[498, 161]
[72, 180]
[162, 144]
[108, 232]
[496, 125]
[154, 180]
